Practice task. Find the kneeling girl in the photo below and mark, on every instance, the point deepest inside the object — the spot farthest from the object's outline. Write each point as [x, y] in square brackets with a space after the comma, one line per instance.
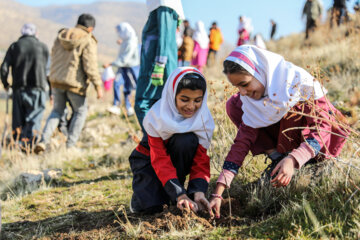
[179, 128]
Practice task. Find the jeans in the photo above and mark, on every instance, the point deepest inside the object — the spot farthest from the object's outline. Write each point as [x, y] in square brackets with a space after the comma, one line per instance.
[79, 107]
[27, 112]
[125, 76]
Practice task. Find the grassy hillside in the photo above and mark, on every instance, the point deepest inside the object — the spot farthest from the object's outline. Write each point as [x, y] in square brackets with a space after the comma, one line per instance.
[91, 198]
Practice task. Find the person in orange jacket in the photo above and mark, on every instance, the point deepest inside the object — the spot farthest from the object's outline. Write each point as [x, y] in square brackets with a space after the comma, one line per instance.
[216, 39]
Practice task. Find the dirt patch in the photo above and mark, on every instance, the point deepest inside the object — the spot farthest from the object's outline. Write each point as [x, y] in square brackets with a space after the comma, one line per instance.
[172, 219]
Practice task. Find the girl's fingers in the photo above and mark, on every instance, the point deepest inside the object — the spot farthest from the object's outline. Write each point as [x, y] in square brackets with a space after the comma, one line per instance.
[275, 169]
[179, 204]
[186, 204]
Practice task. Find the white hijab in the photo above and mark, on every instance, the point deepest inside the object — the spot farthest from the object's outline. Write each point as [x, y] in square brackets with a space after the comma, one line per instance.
[200, 35]
[173, 4]
[285, 85]
[246, 24]
[164, 120]
[126, 32]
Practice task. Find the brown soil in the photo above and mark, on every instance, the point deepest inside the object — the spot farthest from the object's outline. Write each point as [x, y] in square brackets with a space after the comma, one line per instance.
[109, 224]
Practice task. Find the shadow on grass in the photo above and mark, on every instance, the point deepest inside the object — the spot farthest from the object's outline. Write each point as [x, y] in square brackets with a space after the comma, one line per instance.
[74, 221]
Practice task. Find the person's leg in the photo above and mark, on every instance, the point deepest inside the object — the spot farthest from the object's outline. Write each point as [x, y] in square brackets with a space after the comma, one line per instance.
[79, 105]
[55, 115]
[17, 114]
[34, 105]
[117, 84]
[129, 80]
[182, 149]
[148, 193]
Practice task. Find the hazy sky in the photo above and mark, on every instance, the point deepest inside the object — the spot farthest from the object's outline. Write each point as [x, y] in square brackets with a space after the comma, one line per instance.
[287, 13]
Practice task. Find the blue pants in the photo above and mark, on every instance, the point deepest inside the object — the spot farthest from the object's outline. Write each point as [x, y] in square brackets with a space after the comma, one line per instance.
[125, 76]
[27, 112]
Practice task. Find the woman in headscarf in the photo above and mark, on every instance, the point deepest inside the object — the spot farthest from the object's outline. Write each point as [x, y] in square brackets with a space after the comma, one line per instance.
[281, 110]
[201, 46]
[179, 128]
[127, 59]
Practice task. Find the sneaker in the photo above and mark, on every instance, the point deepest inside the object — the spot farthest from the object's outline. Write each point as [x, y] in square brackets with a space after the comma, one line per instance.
[40, 147]
[114, 110]
[130, 111]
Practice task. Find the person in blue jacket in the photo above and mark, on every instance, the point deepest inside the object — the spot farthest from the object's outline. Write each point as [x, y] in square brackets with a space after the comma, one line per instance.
[158, 53]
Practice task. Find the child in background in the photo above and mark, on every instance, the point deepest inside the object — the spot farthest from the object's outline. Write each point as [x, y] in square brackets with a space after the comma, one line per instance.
[158, 53]
[244, 29]
[186, 50]
[179, 128]
[127, 59]
[201, 46]
[270, 87]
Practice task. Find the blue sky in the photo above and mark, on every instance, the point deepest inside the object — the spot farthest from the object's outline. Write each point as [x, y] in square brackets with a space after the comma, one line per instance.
[287, 13]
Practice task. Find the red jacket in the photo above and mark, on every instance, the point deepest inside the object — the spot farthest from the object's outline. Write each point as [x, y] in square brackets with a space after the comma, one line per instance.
[164, 169]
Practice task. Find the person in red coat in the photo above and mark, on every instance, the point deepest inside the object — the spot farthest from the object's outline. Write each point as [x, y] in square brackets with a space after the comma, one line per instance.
[179, 128]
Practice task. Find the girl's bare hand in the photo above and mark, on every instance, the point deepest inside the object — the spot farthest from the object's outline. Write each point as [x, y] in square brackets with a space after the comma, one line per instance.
[285, 171]
[215, 204]
[183, 201]
[202, 202]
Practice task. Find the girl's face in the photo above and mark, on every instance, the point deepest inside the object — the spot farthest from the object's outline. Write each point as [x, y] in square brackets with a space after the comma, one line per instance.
[247, 85]
[189, 101]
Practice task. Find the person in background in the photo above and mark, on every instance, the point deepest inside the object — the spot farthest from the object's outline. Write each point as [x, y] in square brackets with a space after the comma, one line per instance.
[28, 59]
[259, 41]
[338, 12]
[158, 54]
[201, 46]
[273, 29]
[178, 143]
[188, 29]
[312, 10]
[216, 39]
[244, 30]
[282, 111]
[186, 50]
[127, 59]
[74, 66]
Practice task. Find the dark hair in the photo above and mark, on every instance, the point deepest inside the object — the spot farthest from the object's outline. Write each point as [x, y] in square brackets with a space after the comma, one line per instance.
[193, 81]
[214, 23]
[232, 67]
[86, 20]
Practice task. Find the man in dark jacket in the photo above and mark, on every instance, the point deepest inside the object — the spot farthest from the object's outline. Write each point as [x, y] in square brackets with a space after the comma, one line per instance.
[338, 12]
[27, 58]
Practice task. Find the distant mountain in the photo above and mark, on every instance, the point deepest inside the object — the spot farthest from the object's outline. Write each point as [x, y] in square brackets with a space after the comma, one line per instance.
[50, 19]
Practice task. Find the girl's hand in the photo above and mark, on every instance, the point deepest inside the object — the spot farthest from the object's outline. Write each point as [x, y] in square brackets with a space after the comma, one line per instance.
[215, 204]
[202, 202]
[183, 201]
[285, 171]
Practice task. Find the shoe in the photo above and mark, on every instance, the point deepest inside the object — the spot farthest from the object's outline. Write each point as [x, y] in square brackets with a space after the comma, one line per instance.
[130, 111]
[114, 110]
[40, 147]
[133, 205]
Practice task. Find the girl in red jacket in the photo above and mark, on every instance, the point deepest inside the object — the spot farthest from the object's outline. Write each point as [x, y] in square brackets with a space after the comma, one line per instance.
[280, 110]
[179, 128]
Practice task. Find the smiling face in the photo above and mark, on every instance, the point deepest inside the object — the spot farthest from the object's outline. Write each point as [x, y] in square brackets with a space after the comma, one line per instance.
[189, 101]
[247, 85]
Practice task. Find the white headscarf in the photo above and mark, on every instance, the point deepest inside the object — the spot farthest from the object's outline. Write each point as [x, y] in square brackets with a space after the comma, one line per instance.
[126, 31]
[285, 85]
[200, 35]
[173, 4]
[28, 29]
[164, 120]
[246, 24]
